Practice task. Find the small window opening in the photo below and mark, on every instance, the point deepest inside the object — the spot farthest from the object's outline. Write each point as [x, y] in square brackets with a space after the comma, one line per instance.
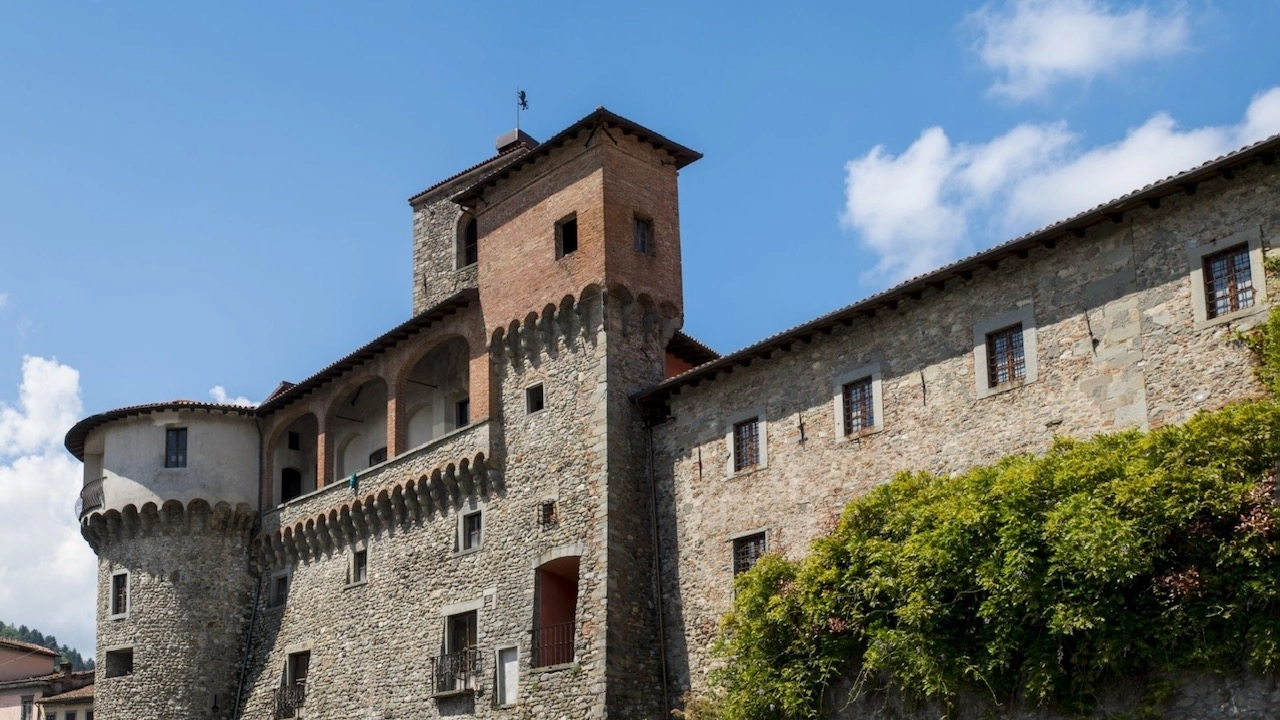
[567, 236]
[642, 235]
[292, 693]
[290, 484]
[28, 707]
[547, 513]
[119, 662]
[470, 243]
[1006, 360]
[746, 444]
[533, 399]
[279, 592]
[377, 456]
[295, 441]
[747, 551]
[859, 410]
[175, 448]
[556, 600]
[472, 529]
[360, 566]
[462, 412]
[1228, 281]
[120, 594]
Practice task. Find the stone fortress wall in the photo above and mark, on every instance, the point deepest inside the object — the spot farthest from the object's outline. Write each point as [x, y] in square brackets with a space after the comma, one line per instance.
[1120, 341]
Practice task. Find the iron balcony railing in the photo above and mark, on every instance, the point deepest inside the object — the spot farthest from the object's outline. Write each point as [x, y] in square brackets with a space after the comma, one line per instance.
[289, 698]
[553, 644]
[91, 497]
[457, 672]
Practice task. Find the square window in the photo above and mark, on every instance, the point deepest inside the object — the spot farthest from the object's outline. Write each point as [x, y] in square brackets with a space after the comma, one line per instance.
[747, 551]
[278, 593]
[859, 406]
[119, 662]
[1006, 359]
[471, 530]
[295, 441]
[567, 236]
[642, 235]
[120, 594]
[175, 447]
[359, 567]
[746, 444]
[462, 412]
[377, 456]
[1228, 281]
[533, 399]
[51, 715]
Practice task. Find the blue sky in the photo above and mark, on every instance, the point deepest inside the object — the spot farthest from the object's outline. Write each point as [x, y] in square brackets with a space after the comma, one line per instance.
[200, 196]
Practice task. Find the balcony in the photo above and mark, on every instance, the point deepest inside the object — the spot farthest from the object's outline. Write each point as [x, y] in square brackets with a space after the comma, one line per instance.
[553, 644]
[455, 673]
[289, 698]
[91, 498]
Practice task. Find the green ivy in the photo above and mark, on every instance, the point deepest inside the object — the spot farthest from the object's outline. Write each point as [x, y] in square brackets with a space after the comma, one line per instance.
[1038, 577]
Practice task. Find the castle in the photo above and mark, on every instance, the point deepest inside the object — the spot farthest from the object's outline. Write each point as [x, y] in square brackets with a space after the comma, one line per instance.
[531, 498]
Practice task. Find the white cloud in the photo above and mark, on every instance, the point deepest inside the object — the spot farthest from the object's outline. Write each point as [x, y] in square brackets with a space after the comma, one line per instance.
[219, 395]
[1037, 43]
[937, 200]
[48, 573]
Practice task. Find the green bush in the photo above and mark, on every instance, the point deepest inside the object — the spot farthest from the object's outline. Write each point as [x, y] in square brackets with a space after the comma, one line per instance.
[1040, 577]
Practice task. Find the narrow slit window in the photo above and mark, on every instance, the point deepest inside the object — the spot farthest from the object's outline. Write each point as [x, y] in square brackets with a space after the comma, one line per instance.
[747, 551]
[175, 448]
[470, 243]
[1006, 360]
[859, 408]
[567, 236]
[1228, 281]
[746, 444]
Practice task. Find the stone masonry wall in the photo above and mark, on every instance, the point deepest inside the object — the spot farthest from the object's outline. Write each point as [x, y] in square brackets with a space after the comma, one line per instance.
[371, 644]
[1118, 346]
[190, 591]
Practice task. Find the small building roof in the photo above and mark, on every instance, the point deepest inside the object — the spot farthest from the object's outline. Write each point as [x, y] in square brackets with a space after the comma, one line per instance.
[77, 696]
[27, 647]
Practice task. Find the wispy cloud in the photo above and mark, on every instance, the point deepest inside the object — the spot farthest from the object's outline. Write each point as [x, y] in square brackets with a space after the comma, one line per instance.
[938, 200]
[3, 299]
[40, 543]
[220, 396]
[1035, 44]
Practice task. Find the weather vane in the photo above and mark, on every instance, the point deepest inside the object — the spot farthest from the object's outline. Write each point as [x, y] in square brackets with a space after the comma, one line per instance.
[522, 103]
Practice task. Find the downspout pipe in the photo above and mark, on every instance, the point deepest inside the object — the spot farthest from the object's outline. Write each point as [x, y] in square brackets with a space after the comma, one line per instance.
[257, 590]
[657, 562]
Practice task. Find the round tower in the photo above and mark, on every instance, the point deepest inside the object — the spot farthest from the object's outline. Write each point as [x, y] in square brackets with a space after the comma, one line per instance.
[168, 505]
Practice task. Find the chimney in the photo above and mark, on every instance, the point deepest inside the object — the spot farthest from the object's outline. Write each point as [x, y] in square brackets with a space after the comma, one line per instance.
[512, 140]
[65, 667]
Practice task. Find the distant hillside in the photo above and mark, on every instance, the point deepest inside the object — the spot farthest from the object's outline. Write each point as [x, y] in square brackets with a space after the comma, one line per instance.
[26, 634]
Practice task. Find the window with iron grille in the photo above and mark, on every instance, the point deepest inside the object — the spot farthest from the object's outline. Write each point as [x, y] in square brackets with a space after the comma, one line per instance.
[859, 406]
[547, 512]
[1228, 281]
[747, 551]
[175, 448]
[1006, 360]
[746, 444]
[643, 235]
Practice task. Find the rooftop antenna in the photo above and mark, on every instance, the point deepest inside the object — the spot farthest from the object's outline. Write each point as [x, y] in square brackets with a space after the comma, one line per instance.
[522, 103]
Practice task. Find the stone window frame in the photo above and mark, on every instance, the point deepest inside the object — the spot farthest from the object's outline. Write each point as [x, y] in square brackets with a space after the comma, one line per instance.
[732, 542]
[460, 242]
[472, 507]
[758, 413]
[358, 549]
[180, 436]
[460, 608]
[541, 386]
[499, 701]
[272, 603]
[1024, 315]
[111, 595]
[1257, 273]
[111, 650]
[873, 371]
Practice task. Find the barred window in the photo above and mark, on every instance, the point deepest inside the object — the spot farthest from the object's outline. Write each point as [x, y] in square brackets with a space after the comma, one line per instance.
[859, 410]
[1006, 360]
[746, 444]
[175, 448]
[1228, 281]
[747, 551]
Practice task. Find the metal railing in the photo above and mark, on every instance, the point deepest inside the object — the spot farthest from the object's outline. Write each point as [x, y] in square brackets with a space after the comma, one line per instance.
[553, 644]
[289, 698]
[91, 497]
[456, 672]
